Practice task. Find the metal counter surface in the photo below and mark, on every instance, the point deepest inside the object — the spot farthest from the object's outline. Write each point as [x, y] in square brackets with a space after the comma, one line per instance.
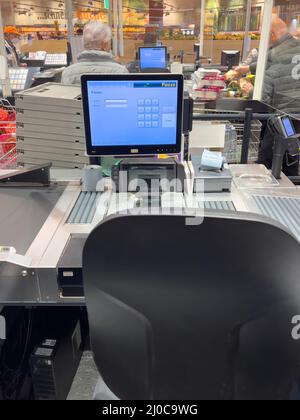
[23, 212]
[37, 223]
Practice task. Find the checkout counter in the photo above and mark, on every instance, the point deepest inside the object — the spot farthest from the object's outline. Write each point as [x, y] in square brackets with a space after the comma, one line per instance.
[46, 214]
[40, 68]
[43, 229]
[42, 265]
[23, 78]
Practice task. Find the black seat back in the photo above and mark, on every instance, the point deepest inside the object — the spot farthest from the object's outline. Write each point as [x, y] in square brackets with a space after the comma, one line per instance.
[194, 312]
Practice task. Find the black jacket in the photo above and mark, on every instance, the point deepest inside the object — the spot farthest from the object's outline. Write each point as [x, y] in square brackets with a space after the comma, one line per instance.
[282, 82]
[13, 56]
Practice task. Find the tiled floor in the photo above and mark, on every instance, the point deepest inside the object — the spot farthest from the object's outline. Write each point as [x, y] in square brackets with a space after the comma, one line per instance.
[88, 384]
[86, 379]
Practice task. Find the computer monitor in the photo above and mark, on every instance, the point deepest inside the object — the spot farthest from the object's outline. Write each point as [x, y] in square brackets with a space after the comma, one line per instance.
[133, 115]
[230, 59]
[153, 58]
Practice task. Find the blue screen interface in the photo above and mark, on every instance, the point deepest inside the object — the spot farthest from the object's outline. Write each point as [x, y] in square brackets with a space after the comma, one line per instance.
[133, 113]
[153, 58]
[288, 127]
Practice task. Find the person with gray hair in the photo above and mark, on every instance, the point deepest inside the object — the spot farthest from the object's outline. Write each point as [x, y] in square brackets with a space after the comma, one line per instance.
[96, 57]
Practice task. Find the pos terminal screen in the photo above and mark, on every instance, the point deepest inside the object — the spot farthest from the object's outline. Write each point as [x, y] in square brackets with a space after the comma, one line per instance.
[288, 126]
[133, 116]
[153, 58]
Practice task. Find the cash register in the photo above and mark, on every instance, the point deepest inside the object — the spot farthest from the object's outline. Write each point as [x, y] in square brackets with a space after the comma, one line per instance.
[136, 117]
[21, 78]
[57, 60]
[35, 59]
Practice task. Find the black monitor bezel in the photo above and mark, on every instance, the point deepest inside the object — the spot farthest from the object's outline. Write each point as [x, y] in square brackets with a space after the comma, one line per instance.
[151, 48]
[139, 149]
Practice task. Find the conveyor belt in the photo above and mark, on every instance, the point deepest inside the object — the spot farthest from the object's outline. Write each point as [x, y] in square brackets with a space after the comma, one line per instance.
[285, 210]
[85, 207]
[218, 205]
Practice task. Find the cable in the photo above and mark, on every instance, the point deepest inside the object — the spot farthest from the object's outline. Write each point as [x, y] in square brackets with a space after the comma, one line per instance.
[11, 377]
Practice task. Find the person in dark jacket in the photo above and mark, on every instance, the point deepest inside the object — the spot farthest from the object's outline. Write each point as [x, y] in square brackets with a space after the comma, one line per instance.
[281, 89]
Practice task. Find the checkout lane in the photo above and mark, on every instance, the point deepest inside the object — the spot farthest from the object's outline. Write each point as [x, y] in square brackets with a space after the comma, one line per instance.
[30, 69]
[46, 269]
[47, 245]
[67, 214]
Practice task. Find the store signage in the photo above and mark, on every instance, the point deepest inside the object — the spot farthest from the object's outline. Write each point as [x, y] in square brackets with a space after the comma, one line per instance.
[52, 16]
[106, 4]
[83, 15]
[188, 32]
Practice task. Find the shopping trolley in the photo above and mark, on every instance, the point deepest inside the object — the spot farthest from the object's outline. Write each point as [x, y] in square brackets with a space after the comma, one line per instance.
[234, 133]
[8, 138]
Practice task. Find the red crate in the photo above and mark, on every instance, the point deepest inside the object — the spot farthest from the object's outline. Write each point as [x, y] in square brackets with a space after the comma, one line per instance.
[8, 147]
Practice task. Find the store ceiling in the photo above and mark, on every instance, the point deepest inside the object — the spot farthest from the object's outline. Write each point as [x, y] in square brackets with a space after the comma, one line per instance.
[170, 6]
[53, 4]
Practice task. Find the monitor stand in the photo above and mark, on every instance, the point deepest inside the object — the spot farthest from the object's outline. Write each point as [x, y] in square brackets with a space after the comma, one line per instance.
[155, 71]
[132, 174]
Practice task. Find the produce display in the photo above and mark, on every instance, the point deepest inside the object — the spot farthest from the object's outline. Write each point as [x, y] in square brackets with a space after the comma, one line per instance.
[236, 36]
[210, 85]
[239, 86]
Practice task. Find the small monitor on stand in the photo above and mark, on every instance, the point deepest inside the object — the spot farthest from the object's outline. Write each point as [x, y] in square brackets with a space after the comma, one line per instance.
[230, 59]
[136, 116]
[153, 59]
